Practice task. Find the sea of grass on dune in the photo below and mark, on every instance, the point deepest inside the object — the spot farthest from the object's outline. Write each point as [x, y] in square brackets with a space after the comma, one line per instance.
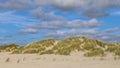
[90, 47]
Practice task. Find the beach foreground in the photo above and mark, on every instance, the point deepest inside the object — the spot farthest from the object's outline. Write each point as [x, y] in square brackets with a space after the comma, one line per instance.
[56, 61]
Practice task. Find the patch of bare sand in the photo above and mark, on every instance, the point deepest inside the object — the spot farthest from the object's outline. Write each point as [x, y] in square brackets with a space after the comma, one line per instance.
[76, 60]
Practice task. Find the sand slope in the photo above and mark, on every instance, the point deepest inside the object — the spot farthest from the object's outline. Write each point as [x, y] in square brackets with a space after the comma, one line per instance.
[56, 61]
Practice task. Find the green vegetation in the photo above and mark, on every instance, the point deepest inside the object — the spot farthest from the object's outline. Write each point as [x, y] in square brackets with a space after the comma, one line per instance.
[114, 48]
[95, 52]
[91, 47]
[9, 47]
[18, 50]
[39, 47]
[117, 51]
[65, 47]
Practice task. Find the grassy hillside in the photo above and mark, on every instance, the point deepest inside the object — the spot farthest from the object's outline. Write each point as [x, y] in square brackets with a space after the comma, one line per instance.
[9, 47]
[90, 47]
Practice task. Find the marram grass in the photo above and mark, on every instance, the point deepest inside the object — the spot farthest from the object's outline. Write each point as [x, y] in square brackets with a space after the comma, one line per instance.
[90, 47]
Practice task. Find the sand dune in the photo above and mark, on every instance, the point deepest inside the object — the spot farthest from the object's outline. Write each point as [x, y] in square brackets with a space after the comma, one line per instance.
[56, 61]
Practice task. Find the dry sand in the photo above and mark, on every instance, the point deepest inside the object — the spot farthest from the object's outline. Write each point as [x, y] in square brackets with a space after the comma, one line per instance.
[56, 61]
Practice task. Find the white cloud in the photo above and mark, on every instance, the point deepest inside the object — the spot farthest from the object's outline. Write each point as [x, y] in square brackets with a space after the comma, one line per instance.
[15, 4]
[9, 17]
[28, 31]
[60, 34]
[91, 33]
[106, 37]
[89, 8]
[62, 27]
[40, 14]
[112, 30]
[75, 24]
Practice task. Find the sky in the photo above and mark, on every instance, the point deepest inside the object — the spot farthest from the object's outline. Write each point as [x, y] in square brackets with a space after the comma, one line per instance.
[25, 21]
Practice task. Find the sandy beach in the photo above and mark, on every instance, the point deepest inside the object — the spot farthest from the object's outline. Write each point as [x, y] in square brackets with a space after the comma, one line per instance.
[56, 61]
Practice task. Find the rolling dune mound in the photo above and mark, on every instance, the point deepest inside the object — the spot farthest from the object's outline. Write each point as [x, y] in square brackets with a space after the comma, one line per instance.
[90, 47]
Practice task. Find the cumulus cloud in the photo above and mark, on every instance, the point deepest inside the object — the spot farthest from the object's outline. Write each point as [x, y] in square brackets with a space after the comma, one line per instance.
[40, 14]
[106, 37]
[95, 13]
[49, 20]
[91, 33]
[28, 31]
[89, 8]
[83, 24]
[71, 28]
[15, 4]
[112, 30]
[60, 34]
[10, 17]
[75, 24]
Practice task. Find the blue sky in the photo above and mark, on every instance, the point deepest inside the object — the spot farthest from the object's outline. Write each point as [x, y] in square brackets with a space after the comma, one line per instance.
[24, 21]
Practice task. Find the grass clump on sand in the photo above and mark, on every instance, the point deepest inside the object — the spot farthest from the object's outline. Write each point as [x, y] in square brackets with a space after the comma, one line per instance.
[7, 60]
[46, 52]
[95, 52]
[117, 51]
[114, 48]
[18, 50]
